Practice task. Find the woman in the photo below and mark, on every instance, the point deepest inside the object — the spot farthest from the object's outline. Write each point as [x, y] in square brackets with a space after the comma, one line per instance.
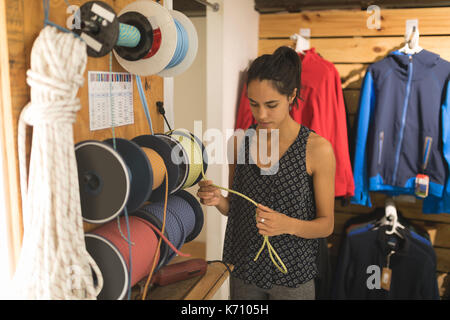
[294, 192]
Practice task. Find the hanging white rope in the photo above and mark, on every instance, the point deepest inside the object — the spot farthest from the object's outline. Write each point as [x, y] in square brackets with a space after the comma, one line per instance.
[54, 263]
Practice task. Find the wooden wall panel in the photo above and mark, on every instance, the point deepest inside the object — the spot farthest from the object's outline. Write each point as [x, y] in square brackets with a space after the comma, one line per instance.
[339, 23]
[342, 37]
[20, 24]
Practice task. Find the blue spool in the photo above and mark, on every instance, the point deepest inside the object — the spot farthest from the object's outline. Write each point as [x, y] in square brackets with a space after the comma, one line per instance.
[180, 220]
[182, 46]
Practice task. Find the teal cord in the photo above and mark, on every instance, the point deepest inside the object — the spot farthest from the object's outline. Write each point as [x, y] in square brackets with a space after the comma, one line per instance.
[144, 102]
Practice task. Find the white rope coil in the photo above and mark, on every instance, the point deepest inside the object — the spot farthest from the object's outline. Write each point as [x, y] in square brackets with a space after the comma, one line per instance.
[54, 263]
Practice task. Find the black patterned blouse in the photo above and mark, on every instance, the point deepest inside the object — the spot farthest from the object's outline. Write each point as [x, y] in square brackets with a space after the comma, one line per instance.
[288, 190]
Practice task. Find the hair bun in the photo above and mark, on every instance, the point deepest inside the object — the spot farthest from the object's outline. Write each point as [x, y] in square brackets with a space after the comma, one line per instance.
[285, 51]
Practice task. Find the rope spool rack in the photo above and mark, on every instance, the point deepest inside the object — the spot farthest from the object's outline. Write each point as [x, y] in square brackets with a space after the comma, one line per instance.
[129, 176]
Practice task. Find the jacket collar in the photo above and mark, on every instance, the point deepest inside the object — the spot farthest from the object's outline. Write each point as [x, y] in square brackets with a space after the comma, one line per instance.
[422, 61]
[384, 241]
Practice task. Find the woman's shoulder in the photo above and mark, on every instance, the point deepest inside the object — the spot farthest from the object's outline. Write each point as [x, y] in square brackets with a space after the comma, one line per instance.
[319, 149]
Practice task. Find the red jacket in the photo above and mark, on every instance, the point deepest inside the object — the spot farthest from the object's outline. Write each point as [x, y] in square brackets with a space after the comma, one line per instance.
[321, 110]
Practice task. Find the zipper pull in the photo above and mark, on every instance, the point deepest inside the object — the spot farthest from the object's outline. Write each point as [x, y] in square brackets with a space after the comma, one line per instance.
[410, 58]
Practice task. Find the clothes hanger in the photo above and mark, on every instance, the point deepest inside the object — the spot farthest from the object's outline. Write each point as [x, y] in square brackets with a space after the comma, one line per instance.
[391, 218]
[302, 40]
[411, 41]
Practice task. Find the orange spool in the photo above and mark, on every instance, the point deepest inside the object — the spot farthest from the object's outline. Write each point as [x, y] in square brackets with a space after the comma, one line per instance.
[157, 164]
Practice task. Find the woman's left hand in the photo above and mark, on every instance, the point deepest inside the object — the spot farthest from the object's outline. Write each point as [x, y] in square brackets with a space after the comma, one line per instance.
[272, 223]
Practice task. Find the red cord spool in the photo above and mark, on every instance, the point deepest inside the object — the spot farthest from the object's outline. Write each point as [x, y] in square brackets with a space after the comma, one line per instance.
[157, 38]
[107, 239]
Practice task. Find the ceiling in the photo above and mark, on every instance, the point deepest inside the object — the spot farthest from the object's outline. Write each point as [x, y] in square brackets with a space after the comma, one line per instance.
[193, 8]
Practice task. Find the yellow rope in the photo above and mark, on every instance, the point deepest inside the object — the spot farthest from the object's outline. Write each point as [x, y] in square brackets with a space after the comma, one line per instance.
[194, 154]
[198, 168]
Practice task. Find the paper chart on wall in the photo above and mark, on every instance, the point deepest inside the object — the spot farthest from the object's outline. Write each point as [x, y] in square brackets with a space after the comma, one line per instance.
[120, 85]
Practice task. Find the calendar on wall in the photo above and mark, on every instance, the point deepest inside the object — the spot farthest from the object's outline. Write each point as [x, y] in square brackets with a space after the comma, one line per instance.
[110, 99]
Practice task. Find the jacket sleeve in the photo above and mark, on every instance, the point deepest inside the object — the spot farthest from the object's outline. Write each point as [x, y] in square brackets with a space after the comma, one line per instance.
[446, 147]
[340, 283]
[344, 175]
[366, 106]
[433, 204]
[244, 117]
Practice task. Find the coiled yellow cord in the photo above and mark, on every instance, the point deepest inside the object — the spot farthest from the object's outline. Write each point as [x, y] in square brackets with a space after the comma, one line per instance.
[198, 168]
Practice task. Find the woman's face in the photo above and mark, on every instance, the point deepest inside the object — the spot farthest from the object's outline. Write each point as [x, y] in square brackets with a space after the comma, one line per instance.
[269, 107]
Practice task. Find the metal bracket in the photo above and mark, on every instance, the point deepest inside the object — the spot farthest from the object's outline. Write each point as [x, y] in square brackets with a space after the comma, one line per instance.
[215, 6]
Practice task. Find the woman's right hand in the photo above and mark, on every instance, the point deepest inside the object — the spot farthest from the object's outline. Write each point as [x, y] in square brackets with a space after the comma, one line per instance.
[209, 195]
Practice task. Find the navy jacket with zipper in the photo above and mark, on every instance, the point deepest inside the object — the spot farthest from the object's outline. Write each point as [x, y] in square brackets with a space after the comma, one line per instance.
[404, 129]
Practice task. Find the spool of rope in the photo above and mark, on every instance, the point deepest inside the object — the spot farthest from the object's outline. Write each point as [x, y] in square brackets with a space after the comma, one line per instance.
[174, 42]
[187, 46]
[110, 251]
[156, 162]
[184, 219]
[193, 149]
[111, 179]
[54, 263]
[180, 158]
[164, 150]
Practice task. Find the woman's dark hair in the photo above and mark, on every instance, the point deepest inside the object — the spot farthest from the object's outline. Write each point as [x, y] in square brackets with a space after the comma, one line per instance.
[283, 67]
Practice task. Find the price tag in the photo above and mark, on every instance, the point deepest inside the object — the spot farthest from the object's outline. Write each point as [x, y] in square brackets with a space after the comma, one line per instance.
[422, 185]
[386, 276]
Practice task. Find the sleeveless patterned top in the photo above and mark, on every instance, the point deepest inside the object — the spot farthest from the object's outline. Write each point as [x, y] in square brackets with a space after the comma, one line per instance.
[289, 191]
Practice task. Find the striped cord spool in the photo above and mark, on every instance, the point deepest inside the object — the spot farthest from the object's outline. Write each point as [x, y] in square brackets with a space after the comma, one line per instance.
[174, 41]
[110, 251]
[180, 220]
[129, 36]
[194, 150]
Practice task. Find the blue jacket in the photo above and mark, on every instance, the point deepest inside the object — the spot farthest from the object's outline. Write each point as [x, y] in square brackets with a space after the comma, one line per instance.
[404, 129]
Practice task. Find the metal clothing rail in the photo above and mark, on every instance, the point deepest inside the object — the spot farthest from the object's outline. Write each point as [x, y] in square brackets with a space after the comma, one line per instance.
[214, 6]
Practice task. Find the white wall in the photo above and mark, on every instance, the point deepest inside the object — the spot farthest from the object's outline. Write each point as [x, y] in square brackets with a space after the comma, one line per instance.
[5, 270]
[208, 91]
[232, 41]
[190, 95]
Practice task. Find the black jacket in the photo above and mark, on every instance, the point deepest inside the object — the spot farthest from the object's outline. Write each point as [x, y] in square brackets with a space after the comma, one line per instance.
[413, 267]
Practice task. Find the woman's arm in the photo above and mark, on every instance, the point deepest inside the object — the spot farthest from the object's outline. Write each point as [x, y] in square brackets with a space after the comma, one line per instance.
[322, 165]
[212, 196]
